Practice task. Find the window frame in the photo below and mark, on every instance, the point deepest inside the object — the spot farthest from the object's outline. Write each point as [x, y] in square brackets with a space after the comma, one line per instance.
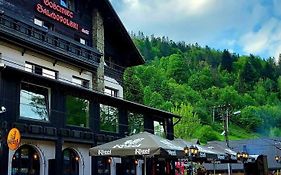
[42, 23]
[162, 132]
[117, 120]
[84, 82]
[113, 92]
[48, 104]
[88, 116]
[39, 70]
[132, 117]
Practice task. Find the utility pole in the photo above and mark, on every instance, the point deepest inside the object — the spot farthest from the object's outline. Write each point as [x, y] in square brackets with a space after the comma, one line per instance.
[225, 126]
[226, 130]
[225, 111]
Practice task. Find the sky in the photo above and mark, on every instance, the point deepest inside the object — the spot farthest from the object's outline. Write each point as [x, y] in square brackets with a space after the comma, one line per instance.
[241, 26]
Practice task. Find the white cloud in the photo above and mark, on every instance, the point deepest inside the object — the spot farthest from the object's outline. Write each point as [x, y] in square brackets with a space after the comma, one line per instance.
[267, 40]
[249, 25]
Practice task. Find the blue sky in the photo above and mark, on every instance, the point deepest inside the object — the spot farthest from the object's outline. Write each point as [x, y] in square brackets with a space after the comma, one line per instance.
[241, 26]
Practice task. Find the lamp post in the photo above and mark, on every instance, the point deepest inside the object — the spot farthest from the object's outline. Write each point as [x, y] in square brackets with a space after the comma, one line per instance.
[278, 160]
[190, 153]
[243, 157]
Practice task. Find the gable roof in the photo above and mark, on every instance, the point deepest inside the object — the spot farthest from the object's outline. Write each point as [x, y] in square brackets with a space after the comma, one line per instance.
[117, 31]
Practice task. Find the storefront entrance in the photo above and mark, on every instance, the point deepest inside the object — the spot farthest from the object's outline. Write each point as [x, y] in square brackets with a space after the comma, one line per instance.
[26, 161]
[70, 162]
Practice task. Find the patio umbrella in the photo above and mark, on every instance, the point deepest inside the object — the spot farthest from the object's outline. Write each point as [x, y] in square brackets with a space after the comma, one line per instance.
[231, 155]
[143, 144]
[209, 154]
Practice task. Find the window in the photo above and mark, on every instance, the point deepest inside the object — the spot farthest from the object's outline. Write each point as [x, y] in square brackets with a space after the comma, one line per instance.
[29, 67]
[111, 92]
[109, 119]
[26, 160]
[38, 22]
[44, 24]
[80, 82]
[159, 129]
[70, 162]
[77, 111]
[103, 165]
[135, 122]
[82, 41]
[69, 4]
[34, 102]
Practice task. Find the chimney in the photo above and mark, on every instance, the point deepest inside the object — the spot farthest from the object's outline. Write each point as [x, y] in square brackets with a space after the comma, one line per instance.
[98, 42]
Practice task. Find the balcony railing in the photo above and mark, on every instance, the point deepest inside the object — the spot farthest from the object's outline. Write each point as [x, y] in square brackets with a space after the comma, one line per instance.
[61, 47]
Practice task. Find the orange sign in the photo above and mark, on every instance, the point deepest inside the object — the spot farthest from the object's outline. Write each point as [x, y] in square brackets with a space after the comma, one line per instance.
[13, 139]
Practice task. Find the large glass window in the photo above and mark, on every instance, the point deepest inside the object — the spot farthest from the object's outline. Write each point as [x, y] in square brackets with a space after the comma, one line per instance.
[109, 118]
[77, 111]
[103, 165]
[26, 161]
[135, 122]
[34, 102]
[159, 129]
[70, 162]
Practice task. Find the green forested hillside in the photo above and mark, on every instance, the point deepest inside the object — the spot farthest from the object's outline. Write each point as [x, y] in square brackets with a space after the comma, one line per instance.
[191, 80]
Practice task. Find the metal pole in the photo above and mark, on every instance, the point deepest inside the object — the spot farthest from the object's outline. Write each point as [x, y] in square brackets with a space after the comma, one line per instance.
[144, 169]
[191, 167]
[214, 168]
[213, 114]
[226, 118]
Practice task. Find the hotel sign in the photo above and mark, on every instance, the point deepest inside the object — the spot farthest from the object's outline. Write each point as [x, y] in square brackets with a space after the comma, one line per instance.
[60, 14]
[13, 139]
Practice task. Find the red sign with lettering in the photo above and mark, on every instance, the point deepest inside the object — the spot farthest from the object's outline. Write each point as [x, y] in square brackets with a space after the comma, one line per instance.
[60, 14]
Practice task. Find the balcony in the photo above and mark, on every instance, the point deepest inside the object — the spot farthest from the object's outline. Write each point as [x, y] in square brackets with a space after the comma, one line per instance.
[47, 42]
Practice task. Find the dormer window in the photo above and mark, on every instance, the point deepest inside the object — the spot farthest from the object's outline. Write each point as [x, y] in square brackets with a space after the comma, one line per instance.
[69, 4]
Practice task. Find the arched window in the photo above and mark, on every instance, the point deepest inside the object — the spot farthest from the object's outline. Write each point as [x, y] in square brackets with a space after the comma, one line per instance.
[70, 162]
[26, 161]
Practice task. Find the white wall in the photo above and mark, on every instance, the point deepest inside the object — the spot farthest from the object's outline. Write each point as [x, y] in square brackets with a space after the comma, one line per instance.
[112, 83]
[12, 56]
[46, 150]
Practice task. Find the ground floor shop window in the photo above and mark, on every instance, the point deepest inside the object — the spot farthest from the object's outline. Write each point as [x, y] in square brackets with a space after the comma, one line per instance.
[70, 162]
[26, 161]
[77, 111]
[127, 167]
[103, 165]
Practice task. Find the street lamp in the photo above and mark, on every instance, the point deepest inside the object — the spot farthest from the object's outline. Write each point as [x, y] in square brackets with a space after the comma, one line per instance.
[190, 153]
[278, 160]
[243, 157]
